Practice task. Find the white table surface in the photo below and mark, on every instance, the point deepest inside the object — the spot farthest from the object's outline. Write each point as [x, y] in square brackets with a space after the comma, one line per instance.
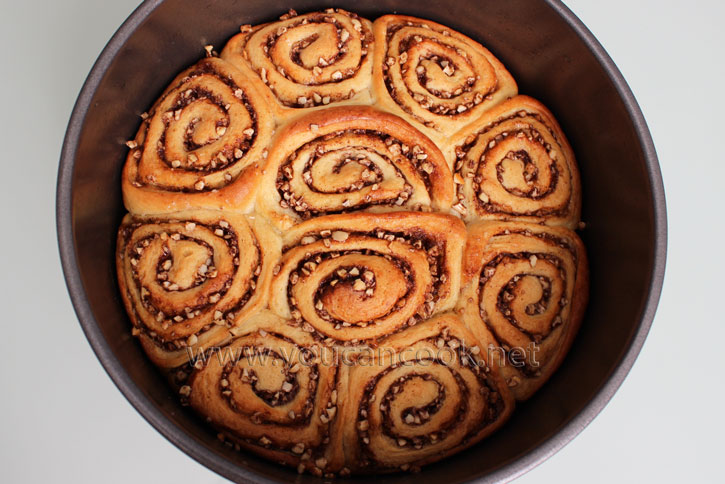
[63, 420]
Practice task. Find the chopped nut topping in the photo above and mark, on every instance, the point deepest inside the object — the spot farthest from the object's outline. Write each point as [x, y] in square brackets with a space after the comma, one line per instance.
[339, 236]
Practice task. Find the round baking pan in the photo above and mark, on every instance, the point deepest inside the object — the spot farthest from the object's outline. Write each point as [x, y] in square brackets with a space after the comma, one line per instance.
[552, 56]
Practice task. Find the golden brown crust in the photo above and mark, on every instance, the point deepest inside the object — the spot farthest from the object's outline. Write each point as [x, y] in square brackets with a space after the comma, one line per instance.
[270, 391]
[357, 278]
[297, 254]
[525, 288]
[350, 158]
[420, 396]
[304, 62]
[201, 144]
[434, 77]
[187, 279]
[516, 164]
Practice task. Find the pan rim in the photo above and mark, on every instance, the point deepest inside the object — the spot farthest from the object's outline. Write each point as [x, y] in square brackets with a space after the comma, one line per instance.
[189, 443]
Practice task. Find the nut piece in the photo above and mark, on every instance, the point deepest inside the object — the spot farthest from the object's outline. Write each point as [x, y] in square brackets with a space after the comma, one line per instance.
[339, 236]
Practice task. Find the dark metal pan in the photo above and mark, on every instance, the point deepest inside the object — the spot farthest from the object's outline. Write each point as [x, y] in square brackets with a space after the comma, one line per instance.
[552, 56]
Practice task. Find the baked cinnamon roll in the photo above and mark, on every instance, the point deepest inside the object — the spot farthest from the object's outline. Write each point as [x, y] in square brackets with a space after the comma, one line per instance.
[312, 60]
[526, 287]
[189, 278]
[200, 145]
[352, 158]
[434, 77]
[421, 395]
[273, 391]
[357, 278]
[514, 163]
[349, 243]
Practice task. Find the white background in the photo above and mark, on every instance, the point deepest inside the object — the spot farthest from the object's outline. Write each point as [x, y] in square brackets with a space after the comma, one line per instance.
[63, 420]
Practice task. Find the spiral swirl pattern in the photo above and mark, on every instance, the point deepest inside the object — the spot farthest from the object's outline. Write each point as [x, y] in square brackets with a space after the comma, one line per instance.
[525, 293]
[310, 60]
[345, 159]
[270, 390]
[359, 277]
[199, 144]
[515, 163]
[439, 79]
[188, 279]
[348, 243]
[425, 393]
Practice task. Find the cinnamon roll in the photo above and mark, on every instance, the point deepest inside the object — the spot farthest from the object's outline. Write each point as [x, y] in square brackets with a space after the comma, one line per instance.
[187, 279]
[200, 145]
[349, 243]
[271, 391]
[421, 395]
[434, 77]
[352, 158]
[526, 287]
[514, 163]
[312, 60]
[356, 278]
